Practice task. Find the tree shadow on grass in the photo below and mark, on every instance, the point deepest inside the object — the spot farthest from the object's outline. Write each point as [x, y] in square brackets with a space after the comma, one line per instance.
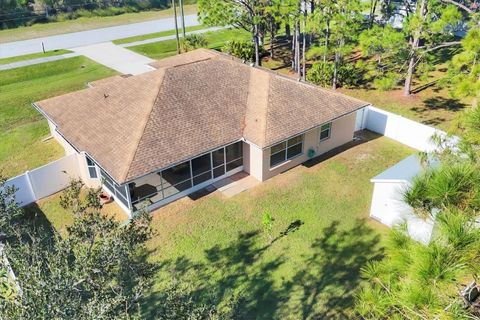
[441, 103]
[331, 273]
[322, 285]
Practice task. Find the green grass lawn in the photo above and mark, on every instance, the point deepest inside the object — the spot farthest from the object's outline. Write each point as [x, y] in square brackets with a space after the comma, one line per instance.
[215, 39]
[33, 56]
[157, 35]
[82, 24]
[22, 128]
[321, 238]
[430, 103]
[432, 106]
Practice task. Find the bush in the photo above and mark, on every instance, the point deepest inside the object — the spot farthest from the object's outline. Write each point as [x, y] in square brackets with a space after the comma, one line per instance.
[388, 82]
[244, 50]
[192, 42]
[348, 75]
[321, 73]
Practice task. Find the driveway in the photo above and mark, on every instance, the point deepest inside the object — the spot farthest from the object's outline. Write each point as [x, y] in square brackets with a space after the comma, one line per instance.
[86, 38]
[117, 58]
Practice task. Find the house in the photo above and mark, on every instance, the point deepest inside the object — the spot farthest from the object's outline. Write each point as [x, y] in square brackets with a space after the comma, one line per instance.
[199, 117]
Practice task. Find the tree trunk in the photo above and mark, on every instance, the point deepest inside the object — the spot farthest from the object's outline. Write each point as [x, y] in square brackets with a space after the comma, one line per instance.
[272, 37]
[176, 25]
[304, 68]
[297, 49]
[413, 51]
[373, 8]
[335, 71]
[327, 36]
[294, 39]
[257, 45]
[288, 32]
[182, 14]
[409, 77]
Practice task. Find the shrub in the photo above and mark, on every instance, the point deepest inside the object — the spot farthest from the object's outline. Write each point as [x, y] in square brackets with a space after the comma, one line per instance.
[244, 50]
[388, 82]
[321, 73]
[348, 75]
[193, 41]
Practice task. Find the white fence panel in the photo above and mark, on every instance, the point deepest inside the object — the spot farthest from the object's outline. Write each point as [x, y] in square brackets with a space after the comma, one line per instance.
[24, 194]
[403, 130]
[54, 176]
[46, 180]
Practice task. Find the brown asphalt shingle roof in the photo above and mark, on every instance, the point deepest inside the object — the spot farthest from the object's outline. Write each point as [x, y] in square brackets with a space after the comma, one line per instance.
[193, 103]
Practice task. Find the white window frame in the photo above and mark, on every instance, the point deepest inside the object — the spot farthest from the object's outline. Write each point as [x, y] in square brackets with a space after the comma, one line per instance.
[287, 146]
[192, 177]
[329, 129]
[94, 166]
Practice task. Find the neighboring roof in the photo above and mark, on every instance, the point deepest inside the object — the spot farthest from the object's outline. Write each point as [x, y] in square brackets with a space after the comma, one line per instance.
[193, 103]
[404, 171]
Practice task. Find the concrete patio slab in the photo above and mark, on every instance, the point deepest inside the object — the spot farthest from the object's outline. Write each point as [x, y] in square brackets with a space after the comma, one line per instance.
[236, 184]
[117, 58]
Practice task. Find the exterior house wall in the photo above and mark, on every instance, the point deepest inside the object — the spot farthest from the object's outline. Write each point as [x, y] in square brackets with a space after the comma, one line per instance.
[252, 161]
[342, 131]
[66, 146]
[82, 164]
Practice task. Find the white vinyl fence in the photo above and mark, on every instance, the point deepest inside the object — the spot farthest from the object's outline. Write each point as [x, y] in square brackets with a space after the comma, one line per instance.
[387, 205]
[46, 180]
[398, 128]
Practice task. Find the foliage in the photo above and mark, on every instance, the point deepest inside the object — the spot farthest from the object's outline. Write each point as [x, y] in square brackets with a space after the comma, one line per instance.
[98, 270]
[464, 70]
[241, 49]
[423, 281]
[381, 42]
[386, 82]
[9, 210]
[193, 41]
[321, 73]
[267, 222]
[453, 184]
[248, 15]
[8, 292]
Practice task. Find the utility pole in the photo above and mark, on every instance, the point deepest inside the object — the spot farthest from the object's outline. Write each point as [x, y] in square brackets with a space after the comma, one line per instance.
[176, 25]
[183, 17]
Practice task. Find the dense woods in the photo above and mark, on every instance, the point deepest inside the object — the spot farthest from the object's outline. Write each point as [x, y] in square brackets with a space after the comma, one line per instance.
[346, 43]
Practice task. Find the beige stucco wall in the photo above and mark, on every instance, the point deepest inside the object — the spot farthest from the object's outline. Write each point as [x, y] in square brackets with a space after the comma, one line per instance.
[66, 146]
[82, 162]
[257, 161]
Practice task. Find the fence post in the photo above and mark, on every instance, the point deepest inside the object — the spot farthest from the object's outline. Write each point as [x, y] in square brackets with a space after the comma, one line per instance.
[30, 186]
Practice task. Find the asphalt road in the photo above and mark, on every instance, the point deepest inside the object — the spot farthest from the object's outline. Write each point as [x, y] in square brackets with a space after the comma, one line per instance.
[89, 37]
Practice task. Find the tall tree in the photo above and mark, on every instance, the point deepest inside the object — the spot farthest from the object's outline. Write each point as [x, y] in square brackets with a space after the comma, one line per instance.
[96, 270]
[344, 25]
[246, 14]
[429, 27]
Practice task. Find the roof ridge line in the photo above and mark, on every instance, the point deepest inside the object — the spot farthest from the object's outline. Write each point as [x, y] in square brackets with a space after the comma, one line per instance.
[145, 125]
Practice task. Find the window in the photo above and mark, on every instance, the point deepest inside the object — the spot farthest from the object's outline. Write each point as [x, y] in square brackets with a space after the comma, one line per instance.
[285, 150]
[234, 155]
[218, 157]
[119, 191]
[202, 169]
[160, 185]
[92, 168]
[325, 131]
